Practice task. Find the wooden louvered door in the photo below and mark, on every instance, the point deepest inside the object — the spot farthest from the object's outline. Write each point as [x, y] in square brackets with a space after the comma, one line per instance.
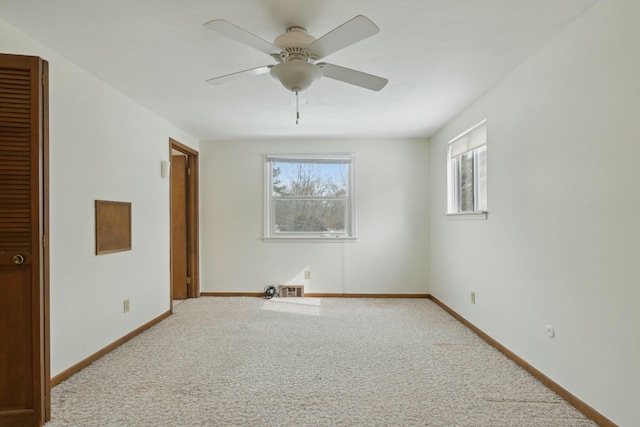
[24, 383]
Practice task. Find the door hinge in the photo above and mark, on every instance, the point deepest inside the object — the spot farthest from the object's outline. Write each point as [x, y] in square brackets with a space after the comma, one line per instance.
[188, 280]
[188, 171]
[44, 241]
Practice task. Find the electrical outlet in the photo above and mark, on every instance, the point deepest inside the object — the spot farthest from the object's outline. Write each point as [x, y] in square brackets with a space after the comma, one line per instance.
[307, 274]
[127, 305]
[473, 297]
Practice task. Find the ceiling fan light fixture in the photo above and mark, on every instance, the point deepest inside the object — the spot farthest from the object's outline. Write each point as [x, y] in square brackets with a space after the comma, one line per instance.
[296, 75]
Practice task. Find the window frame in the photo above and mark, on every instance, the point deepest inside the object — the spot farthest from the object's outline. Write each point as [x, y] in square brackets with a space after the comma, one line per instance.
[271, 235]
[473, 140]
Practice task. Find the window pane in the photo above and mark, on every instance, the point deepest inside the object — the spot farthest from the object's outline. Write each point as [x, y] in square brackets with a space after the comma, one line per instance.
[482, 178]
[466, 182]
[310, 179]
[309, 196]
[311, 216]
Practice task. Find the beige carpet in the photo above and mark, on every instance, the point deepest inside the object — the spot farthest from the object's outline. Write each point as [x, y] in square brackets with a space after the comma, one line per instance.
[307, 362]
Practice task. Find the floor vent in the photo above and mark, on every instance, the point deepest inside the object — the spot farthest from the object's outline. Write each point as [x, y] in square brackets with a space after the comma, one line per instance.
[291, 291]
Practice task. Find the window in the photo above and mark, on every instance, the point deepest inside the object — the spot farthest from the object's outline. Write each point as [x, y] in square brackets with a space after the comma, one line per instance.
[467, 168]
[310, 197]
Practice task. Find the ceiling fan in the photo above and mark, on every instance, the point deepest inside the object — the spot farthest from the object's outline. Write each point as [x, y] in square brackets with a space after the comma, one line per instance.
[297, 54]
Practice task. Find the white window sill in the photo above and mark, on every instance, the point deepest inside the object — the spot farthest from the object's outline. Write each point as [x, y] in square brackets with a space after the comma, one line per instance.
[308, 239]
[461, 216]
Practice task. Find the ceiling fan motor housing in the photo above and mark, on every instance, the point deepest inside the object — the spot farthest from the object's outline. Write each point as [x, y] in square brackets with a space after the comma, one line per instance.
[294, 39]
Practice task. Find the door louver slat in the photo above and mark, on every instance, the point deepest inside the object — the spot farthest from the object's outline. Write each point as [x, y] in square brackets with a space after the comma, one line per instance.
[15, 160]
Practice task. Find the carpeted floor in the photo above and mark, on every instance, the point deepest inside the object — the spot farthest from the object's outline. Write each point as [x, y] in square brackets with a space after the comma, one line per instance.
[307, 362]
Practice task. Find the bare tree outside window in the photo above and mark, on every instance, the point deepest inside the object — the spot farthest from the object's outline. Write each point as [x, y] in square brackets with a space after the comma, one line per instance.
[310, 196]
[466, 182]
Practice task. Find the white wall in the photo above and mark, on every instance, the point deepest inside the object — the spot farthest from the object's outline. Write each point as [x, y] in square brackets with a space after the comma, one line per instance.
[390, 255]
[561, 245]
[103, 146]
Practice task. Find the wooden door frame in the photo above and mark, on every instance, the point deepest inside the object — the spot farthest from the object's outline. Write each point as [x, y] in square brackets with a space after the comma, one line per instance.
[46, 233]
[193, 234]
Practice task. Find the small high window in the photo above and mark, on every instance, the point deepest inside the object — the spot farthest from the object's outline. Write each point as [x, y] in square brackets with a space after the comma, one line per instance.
[310, 196]
[467, 169]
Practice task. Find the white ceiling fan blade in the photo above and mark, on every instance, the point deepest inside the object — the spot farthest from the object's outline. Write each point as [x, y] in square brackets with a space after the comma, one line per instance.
[357, 78]
[359, 28]
[243, 36]
[233, 76]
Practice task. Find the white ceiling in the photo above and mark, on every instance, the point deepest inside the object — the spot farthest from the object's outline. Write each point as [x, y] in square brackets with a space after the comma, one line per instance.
[439, 56]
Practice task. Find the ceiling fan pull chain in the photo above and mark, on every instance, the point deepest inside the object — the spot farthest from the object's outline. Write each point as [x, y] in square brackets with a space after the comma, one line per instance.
[297, 107]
